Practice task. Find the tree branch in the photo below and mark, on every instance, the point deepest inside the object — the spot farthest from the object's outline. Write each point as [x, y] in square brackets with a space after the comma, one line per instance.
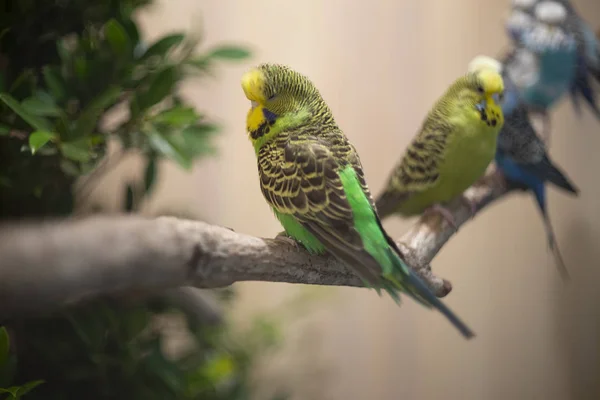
[45, 266]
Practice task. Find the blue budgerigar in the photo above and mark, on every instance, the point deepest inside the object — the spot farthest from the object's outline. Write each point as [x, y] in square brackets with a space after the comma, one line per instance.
[547, 51]
[588, 57]
[521, 155]
[542, 65]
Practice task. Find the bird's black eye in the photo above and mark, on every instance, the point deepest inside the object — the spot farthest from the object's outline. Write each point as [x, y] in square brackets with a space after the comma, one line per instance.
[479, 88]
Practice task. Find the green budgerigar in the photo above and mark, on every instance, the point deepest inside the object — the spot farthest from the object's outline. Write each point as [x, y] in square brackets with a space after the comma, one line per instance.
[312, 178]
[456, 143]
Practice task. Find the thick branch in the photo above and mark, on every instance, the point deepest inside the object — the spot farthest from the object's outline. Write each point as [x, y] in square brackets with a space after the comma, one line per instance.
[53, 264]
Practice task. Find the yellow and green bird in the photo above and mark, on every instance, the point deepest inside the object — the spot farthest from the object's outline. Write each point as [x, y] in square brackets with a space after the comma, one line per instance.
[312, 178]
[456, 143]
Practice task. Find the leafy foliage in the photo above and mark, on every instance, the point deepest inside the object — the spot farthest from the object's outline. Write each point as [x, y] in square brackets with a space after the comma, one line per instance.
[65, 67]
[119, 353]
[54, 111]
[8, 365]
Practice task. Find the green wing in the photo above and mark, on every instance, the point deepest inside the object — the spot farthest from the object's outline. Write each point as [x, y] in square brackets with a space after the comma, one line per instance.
[303, 181]
[418, 169]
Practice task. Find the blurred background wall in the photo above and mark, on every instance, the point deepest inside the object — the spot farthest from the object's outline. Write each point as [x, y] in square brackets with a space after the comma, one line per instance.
[380, 66]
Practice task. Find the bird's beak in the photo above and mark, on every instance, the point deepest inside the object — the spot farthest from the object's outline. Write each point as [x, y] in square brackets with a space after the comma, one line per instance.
[481, 105]
[253, 104]
[496, 98]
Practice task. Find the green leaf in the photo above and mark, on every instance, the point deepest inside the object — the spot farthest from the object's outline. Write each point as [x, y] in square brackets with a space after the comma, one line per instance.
[129, 198]
[166, 146]
[177, 116]
[130, 28]
[54, 82]
[150, 174]
[12, 390]
[62, 50]
[78, 150]
[161, 86]
[41, 105]
[163, 45]
[38, 123]
[229, 53]
[4, 130]
[28, 387]
[117, 37]
[38, 139]
[89, 117]
[4, 346]
[80, 64]
[196, 138]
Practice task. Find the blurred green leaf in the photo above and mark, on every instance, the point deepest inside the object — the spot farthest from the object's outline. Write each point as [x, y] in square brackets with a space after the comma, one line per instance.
[69, 168]
[129, 198]
[28, 387]
[4, 130]
[166, 371]
[219, 367]
[77, 150]
[11, 390]
[229, 52]
[162, 46]
[38, 139]
[4, 346]
[61, 49]
[150, 174]
[81, 67]
[54, 82]
[196, 138]
[161, 86]
[41, 105]
[90, 116]
[165, 145]
[130, 28]
[117, 37]
[38, 123]
[177, 116]
[23, 78]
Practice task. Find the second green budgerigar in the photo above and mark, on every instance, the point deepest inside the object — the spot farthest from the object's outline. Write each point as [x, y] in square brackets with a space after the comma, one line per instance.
[456, 143]
[312, 178]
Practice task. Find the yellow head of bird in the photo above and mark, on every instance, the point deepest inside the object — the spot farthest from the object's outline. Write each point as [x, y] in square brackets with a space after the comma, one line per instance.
[253, 84]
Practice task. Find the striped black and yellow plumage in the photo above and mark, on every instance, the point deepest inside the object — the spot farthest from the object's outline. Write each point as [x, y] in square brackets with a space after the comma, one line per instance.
[311, 176]
[456, 143]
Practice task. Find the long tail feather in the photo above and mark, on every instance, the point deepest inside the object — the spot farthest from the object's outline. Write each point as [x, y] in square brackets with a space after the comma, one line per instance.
[418, 285]
[560, 264]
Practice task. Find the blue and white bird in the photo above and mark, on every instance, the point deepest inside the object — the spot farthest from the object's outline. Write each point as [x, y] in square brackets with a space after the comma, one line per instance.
[521, 155]
[542, 65]
[588, 58]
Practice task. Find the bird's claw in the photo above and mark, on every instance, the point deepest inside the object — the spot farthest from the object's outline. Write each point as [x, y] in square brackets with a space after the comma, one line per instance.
[471, 204]
[284, 237]
[444, 212]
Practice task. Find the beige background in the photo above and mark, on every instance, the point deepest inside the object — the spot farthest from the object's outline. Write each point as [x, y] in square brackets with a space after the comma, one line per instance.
[380, 65]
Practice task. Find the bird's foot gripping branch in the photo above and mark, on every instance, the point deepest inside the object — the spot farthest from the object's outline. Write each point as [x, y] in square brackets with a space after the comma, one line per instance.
[49, 265]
